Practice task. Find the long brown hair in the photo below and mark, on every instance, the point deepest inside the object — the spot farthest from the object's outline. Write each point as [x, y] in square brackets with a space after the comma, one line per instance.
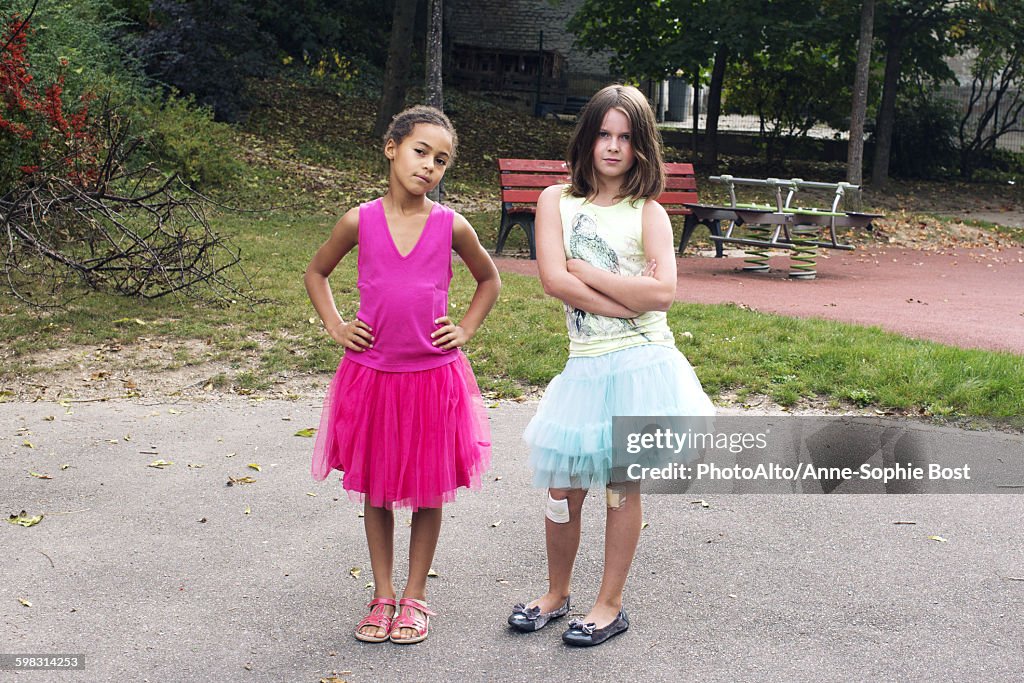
[646, 179]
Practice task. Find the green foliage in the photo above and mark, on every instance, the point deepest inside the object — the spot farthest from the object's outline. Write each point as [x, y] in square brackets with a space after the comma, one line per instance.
[134, 11]
[183, 138]
[86, 34]
[207, 48]
[926, 33]
[44, 121]
[790, 90]
[923, 137]
[648, 40]
[1000, 166]
[658, 39]
[180, 136]
[312, 29]
[335, 72]
[995, 30]
[212, 48]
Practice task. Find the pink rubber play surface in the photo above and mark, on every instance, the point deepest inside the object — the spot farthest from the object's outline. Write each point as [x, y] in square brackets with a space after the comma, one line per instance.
[971, 298]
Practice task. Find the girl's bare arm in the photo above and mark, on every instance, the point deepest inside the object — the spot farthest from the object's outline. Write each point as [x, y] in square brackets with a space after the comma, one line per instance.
[355, 335]
[488, 285]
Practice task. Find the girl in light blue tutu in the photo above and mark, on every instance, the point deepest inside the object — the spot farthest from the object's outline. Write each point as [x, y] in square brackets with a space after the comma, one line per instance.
[605, 249]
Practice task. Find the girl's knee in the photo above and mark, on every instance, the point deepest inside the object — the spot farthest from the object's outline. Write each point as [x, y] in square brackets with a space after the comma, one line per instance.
[564, 505]
[427, 513]
[377, 511]
[618, 496]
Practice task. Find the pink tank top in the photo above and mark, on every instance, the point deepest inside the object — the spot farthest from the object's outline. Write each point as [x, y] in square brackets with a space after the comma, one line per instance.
[400, 297]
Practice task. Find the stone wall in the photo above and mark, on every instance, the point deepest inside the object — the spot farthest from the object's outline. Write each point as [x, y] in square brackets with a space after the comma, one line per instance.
[516, 24]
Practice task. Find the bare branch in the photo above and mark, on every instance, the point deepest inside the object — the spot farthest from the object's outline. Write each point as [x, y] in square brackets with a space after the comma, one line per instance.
[135, 232]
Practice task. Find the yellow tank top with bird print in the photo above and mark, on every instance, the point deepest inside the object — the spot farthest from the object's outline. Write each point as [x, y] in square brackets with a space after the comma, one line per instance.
[610, 238]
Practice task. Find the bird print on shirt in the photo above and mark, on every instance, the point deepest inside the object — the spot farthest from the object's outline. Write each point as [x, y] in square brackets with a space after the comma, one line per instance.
[586, 244]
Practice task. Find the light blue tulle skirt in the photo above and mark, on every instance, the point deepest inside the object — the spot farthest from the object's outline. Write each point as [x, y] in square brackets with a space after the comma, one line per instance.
[570, 437]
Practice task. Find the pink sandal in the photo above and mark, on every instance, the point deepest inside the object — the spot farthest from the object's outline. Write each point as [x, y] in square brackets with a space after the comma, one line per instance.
[413, 614]
[377, 617]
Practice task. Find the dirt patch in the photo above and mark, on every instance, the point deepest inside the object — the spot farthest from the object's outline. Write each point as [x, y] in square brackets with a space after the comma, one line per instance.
[904, 229]
[152, 371]
[162, 369]
[951, 198]
[149, 369]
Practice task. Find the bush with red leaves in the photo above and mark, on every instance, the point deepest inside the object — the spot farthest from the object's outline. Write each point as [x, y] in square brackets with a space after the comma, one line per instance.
[37, 128]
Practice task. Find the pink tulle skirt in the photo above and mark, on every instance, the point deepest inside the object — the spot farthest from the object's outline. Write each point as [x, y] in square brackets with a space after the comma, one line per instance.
[404, 439]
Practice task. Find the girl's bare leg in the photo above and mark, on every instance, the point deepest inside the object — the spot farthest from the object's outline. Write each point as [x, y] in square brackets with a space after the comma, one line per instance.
[563, 541]
[379, 524]
[622, 532]
[426, 528]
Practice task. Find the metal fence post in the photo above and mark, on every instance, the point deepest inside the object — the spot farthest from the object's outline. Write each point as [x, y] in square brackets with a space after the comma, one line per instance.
[540, 74]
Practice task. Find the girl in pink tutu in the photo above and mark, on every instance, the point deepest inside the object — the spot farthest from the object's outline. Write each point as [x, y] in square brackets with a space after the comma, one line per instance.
[404, 419]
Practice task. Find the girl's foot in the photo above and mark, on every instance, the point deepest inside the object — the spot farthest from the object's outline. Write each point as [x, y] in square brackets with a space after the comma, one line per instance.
[375, 627]
[587, 634]
[534, 617]
[413, 623]
[600, 615]
[549, 602]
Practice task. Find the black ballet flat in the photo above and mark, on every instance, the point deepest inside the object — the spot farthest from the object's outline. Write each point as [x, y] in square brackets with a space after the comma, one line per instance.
[529, 619]
[580, 634]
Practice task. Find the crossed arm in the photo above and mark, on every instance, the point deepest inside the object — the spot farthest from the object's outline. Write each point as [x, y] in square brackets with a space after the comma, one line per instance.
[598, 291]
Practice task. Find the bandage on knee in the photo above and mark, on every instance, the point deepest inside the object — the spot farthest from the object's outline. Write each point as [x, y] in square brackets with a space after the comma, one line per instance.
[614, 497]
[557, 510]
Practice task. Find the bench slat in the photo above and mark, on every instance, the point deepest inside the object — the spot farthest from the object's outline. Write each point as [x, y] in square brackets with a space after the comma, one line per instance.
[542, 165]
[510, 180]
[676, 168]
[677, 198]
[544, 180]
[520, 196]
[680, 183]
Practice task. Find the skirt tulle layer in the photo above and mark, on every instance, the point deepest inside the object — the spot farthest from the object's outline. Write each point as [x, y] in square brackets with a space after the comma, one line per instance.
[404, 439]
[570, 437]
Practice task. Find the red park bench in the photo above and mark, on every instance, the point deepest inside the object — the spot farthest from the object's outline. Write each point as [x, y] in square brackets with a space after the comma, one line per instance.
[522, 181]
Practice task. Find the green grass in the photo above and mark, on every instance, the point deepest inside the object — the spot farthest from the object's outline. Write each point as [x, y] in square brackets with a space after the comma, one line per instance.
[523, 342]
[788, 359]
[1014, 233]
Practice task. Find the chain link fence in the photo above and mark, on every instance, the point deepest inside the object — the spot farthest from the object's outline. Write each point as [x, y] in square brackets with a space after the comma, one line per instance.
[673, 100]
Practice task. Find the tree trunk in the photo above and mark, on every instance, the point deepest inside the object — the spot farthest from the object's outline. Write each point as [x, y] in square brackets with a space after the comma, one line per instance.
[434, 55]
[858, 110]
[399, 53]
[887, 110]
[715, 108]
[696, 111]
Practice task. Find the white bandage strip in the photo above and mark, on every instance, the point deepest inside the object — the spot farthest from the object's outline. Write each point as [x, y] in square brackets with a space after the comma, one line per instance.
[557, 510]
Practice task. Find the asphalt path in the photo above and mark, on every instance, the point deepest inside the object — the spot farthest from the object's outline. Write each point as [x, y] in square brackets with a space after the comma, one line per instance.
[168, 574]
